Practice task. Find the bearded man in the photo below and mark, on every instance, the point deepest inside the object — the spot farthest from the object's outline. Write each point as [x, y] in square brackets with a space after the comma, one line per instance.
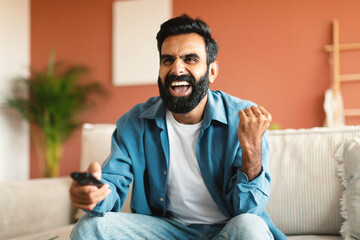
[198, 159]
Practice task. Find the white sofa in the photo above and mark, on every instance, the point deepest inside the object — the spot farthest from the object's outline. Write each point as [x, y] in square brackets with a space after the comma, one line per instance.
[305, 187]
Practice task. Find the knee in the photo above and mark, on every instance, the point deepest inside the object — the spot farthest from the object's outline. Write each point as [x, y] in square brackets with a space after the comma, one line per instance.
[98, 228]
[86, 228]
[247, 226]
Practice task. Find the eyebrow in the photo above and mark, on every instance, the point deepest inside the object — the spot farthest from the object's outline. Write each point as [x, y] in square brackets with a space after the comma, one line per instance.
[191, 55]
[182, 57]
[166, 56]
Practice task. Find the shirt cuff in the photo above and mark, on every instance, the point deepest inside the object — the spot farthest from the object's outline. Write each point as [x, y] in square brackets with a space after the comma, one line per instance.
[95, 213]
[246, 186]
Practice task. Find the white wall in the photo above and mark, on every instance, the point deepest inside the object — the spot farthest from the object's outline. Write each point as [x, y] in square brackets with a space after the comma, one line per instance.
[14, 61]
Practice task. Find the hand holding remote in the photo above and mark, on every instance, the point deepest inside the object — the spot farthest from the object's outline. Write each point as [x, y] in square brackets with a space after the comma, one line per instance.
[87, 196]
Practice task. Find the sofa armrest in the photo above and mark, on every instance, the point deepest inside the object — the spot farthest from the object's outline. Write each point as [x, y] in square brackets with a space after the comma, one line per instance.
[34, 205]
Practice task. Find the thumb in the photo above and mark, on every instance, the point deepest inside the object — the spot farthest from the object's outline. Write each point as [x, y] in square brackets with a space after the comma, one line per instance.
[95, 170]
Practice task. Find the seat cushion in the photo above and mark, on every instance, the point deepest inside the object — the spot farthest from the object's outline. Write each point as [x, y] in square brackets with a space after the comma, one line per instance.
[60, 233]
[314, 237]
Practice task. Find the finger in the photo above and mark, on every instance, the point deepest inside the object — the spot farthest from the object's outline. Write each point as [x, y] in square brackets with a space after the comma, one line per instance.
[91, 197]
[100, 195]
[256, 111]
[95, 169]
[81, 191]
[263, 110]
[248, 112]
[265, 113]
[88, 207]
[76, 200]
[83, 199]
[77, 188]
[242, 114]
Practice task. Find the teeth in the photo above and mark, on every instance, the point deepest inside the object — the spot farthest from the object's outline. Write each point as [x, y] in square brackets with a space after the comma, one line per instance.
[179, 83]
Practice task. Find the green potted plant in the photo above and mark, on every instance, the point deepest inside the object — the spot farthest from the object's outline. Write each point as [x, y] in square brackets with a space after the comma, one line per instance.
[53, 101]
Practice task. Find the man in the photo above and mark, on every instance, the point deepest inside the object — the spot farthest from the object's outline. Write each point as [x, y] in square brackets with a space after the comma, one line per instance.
[198, 159]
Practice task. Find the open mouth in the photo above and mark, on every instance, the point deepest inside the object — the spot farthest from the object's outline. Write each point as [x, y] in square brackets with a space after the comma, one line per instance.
[180, 88]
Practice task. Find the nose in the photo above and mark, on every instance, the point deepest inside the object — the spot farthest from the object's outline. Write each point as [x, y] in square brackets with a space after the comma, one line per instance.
[178, 67]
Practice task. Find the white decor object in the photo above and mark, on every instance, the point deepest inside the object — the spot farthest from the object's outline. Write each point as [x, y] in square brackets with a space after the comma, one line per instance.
[135, 25]
[334, 109]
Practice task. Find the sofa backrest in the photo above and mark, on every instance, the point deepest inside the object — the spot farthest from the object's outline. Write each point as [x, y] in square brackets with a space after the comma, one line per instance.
[305, 187]
[95, 147]
[95, 143]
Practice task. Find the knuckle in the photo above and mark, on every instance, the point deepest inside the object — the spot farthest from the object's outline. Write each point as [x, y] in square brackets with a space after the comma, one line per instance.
[88, 195]
[72, 190]
[87, 190]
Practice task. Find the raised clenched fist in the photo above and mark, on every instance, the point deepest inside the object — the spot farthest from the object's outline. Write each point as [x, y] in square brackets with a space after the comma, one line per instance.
[253, 123]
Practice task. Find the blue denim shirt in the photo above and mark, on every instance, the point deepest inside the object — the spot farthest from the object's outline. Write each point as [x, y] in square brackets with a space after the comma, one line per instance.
[140, 152]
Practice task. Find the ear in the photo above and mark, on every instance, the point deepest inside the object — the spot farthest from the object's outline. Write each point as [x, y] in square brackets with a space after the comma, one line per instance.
[213, 71]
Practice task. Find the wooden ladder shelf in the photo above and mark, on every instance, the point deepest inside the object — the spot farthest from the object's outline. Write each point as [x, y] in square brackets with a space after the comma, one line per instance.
[338, 78]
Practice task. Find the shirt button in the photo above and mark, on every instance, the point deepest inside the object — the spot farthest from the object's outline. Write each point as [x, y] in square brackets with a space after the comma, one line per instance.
[161, 199]
[164, 172]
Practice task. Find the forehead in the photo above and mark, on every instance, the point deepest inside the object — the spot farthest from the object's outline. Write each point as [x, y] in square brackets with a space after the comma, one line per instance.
[184, 44]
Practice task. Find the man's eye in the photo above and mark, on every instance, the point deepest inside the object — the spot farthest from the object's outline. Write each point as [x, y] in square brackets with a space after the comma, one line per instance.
[167, 60]
[190, 60]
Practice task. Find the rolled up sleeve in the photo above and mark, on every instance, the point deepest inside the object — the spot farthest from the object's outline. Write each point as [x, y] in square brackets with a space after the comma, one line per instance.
[252, 196]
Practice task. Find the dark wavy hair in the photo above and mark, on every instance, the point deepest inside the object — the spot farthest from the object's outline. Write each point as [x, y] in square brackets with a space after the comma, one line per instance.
[185, 24]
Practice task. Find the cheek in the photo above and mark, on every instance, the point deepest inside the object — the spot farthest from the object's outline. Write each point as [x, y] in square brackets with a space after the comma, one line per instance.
[197, 73]
[163, 72]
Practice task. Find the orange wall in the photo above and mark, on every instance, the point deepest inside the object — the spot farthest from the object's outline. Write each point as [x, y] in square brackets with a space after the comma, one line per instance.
[271, 52]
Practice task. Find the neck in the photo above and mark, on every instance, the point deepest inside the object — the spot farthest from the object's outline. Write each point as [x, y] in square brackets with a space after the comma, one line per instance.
[194, 116]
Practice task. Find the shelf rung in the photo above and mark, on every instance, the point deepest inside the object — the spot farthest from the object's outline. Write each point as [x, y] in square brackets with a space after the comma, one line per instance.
[352, 112]
[344, 47]
[349, 77]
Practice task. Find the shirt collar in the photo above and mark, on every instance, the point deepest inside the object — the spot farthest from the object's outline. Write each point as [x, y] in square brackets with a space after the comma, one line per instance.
[155, 110]
[215, 109]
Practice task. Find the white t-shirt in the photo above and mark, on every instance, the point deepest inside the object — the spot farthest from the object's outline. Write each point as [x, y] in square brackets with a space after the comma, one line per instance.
[188, 198]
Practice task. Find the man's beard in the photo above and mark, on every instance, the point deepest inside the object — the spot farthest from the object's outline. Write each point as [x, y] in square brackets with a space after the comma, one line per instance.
[187, 103]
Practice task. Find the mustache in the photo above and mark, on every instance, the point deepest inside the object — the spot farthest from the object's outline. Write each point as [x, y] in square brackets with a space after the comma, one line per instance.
[171, 78]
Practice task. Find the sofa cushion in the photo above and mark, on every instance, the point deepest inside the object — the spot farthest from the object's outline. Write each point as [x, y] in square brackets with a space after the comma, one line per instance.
[348, 156]
[314, 237]
[56, 233]
[305, 188]
[22, 206]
